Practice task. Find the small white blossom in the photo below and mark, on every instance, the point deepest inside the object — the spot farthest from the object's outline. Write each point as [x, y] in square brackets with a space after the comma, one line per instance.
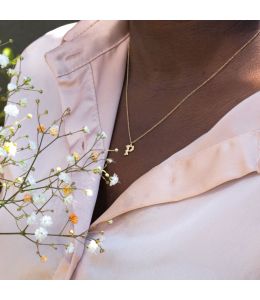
[4, 61]
[46, 221]
[65, 177]
[11, 72]
[68, 200]
[31, 219]
[86, 129]
[32, 145]
[23, 102]
[113, 179]
[10, 148]
[70, 159]
[97, 170]
[31, 180]
[40, 234]
[103, 135]
[19, 180]
[92, 246]
[54, 130]
[39, 199]
[88, 192]
[11, 87]
[11, 110]
[70, 248]
[26, 79]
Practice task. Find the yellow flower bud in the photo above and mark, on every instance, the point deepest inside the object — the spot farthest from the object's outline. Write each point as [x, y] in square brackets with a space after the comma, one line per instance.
[41, 128]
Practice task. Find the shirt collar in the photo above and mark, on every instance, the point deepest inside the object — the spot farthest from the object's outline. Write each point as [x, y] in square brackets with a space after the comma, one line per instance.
[86, 41]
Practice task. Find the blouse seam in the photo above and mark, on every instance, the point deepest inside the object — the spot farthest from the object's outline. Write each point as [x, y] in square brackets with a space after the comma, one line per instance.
[97, 106]
[81, 32]
[96, 56]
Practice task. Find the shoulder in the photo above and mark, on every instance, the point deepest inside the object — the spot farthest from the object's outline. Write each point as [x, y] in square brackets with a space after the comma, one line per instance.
[34, 54]
[34, 65]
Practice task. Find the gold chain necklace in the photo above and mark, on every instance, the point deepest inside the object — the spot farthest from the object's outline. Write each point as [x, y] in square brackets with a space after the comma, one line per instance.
[130, 147]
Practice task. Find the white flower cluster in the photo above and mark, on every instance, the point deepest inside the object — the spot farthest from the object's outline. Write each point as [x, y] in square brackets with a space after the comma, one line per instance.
[4, 61]
[11, 110]
[32, 196]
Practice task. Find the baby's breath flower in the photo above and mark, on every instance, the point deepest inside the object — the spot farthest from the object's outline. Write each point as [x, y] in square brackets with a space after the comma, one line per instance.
[10, 148]
[94, 155]
[12, 129]
[76, 156]
[4, 61]
[26, 80]
[23, 102]
[11, 72]
[43, 258]
[65, 177]
[58, 169]
[67, 190]
[73, 218]
[31, 219]
[27, 197]
[70, 248]
[110, 160]
[86, 129]
[68, 200]
[88, 192]
[102, 135]
[46, 221]
[40, 234]
[113, 179]
[41, 128]
[92, 246]
[11, 87]
[19, 180]
[70, 160]
[11, 110]
[54, 130]
[29, 116]
[97, 170]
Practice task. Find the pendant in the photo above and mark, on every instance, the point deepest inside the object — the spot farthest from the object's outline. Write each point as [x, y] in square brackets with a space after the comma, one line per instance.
[129, 148]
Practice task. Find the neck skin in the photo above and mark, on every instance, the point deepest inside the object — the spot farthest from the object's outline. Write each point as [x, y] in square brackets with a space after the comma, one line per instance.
[177, 52]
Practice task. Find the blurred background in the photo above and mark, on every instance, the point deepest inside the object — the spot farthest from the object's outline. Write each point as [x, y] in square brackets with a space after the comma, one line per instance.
[23, 33]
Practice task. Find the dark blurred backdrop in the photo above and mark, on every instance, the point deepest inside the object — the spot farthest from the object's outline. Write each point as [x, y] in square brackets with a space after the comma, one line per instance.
[25, 32]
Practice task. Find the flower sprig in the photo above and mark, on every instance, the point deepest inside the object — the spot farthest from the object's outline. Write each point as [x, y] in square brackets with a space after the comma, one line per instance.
[30, 198]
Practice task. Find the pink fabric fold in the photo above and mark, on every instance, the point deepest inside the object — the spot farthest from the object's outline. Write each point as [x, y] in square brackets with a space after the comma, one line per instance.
[178, 179]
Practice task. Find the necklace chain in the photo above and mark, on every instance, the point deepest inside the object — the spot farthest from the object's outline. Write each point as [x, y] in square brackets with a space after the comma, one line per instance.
[130, 146]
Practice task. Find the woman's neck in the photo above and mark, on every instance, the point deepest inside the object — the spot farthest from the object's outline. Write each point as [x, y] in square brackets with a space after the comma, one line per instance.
[177, 50]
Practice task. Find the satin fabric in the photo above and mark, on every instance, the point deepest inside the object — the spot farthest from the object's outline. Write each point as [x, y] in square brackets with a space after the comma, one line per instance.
[193, 216]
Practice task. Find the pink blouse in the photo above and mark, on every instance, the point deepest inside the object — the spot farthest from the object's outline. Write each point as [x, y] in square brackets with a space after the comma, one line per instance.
[193, 216]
